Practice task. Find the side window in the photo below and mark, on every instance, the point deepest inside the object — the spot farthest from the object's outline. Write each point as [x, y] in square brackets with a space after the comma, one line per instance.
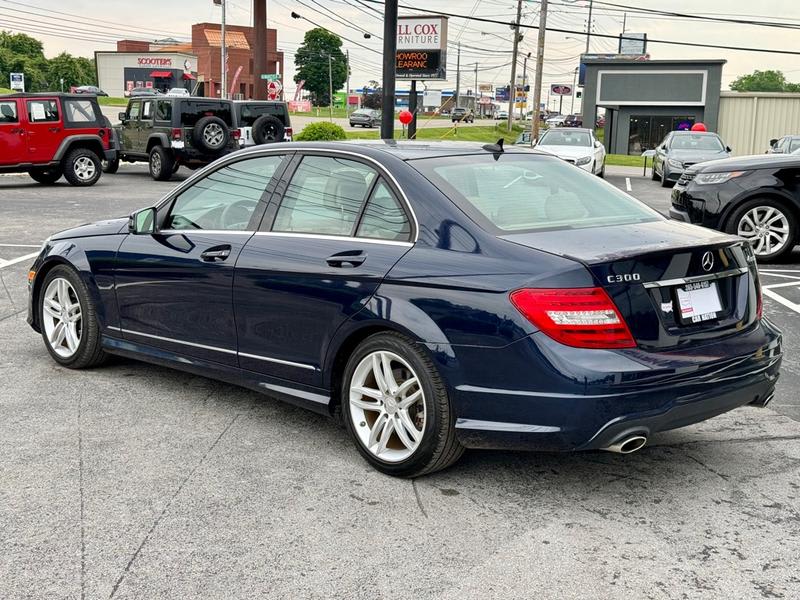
[134, 108]
[384, 217]
[226, 199]
[794, 144]
[79, 111]
[164, 110]
[147, 109]
[43, 111]
[324, 197]
[8, 112]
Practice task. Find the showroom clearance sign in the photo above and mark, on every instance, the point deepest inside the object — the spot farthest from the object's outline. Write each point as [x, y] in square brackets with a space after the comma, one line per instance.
[421, 48]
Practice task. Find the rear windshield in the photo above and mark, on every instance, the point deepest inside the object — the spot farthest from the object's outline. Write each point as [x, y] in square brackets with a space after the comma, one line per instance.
[696, 142]
[194, 110]
[248, 113]
[530, 192]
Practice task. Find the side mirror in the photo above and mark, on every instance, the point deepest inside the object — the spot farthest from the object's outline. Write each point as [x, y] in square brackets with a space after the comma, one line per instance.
[728, 149]
[773, 141]
[664, 147]
[142, 222]
[123, 116]
[597, 144]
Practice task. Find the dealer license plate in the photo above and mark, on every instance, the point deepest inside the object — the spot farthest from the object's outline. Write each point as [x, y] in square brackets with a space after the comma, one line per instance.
[699, 301]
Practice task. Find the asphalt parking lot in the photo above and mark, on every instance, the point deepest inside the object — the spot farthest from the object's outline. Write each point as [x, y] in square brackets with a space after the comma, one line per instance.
[134, 481]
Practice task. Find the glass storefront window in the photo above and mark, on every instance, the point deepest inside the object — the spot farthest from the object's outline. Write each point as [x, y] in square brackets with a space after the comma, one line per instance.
[646, 131]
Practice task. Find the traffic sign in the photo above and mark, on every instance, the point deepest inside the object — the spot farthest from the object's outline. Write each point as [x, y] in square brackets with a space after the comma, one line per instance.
[561, 89]
[274, 89]
[271, 76]
[17, 81]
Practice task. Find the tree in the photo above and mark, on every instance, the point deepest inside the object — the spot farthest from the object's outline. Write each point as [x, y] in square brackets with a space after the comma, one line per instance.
[372, 96]
[311, 60]
[763, 81]
[75, 71]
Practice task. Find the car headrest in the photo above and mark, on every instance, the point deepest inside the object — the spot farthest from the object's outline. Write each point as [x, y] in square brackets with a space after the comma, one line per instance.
[7, 111]
[344, 189]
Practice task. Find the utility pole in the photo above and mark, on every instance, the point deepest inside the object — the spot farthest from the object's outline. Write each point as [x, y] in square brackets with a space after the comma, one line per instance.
[260, 49]
[537, 91]
[347, 91]
[475, 90]
[330, 87]
[513, 89]
[223, 54]
[389, 59]
[589, 27]
[524, 81]
[412, 107]
[458, 75]
[574, 91]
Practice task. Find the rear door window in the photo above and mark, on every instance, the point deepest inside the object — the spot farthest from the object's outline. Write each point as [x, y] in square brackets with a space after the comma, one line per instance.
[8, 112]
[164, 110]
[79, 112]
[147, 110]
[384, 217]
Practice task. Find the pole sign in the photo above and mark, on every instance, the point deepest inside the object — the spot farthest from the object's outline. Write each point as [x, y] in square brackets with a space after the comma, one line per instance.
[274, 90]
[633, 43]
[271, 76]
[421, 48]
[561, 89]
[17, 81]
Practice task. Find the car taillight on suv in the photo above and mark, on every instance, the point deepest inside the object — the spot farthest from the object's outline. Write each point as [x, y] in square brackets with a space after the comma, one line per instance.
[578, 317]
[288, 133]
[177, 134]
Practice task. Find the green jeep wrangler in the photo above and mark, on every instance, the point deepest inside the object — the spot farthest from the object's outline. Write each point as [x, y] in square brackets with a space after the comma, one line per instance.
[171, 131]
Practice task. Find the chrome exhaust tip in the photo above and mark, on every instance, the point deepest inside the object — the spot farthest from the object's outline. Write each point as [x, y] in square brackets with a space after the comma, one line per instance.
[627, 445]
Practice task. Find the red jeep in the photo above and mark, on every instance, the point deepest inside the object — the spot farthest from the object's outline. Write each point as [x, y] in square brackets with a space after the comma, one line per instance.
[50, 135]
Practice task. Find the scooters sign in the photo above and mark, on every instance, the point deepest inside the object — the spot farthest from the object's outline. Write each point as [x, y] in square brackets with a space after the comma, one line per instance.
[561, 89]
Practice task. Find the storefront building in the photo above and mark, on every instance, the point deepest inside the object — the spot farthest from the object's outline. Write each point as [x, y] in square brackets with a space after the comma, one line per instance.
[120, 72]
[645, 100]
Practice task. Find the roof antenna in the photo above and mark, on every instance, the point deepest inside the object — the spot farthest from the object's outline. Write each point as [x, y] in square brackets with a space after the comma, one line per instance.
[496, 148]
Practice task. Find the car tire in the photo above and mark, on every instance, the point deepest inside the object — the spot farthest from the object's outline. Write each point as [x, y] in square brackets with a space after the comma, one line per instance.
[653, 175]
[602, 173]
[664, 181]
[82, 167]
[432, 444]
[211, 134]
[268, 129]
[111, 166]
[161, 163]
[765, 211]
[45, 176]
[68, 320]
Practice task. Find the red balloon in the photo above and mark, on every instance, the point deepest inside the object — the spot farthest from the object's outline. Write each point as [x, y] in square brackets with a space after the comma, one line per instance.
[405, 117]
[699, 127]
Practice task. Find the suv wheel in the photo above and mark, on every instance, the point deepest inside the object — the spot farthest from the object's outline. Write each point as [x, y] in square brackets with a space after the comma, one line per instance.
[397, 409]
[162, 164]
[45, 176]
[268, 129]
[82, 167]
[769, 226]
[211, 134]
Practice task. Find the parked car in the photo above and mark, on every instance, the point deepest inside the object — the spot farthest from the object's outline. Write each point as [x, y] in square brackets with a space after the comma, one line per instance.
[170, 131]
[178, 91]
[365, 117]
[262, 122]
[785, 145]
[573, 121]
[432, 296]
[556, 121]
[576, 146]
[53, 135]
[754, 197]
[682, 149]
[600, 121]
[462, 115]
[90, 89]
[501, 115]
[139, 92]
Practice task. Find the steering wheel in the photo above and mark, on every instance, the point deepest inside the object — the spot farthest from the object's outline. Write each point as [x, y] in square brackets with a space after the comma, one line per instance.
[237, 214]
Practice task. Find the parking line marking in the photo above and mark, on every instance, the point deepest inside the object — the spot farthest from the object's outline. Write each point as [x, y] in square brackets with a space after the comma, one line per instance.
[782, 276]
[778, 298]
[628, 184]
[20, 245]
[8, 263]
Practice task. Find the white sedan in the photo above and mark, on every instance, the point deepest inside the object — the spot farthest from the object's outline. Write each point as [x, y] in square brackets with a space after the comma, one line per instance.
[576, 146]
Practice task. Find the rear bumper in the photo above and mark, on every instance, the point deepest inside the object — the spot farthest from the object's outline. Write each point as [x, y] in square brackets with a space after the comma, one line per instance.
[621, 393]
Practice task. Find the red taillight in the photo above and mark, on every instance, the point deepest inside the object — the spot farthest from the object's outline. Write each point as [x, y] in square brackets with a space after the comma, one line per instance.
[177, 133]
[288, 132]
[578, 317]
[236, 134]
[759, 301]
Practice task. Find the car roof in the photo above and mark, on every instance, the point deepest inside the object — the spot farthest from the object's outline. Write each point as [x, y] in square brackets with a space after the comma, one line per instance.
[570, 129]
[404, 150]
[271, 102]
[45, 95]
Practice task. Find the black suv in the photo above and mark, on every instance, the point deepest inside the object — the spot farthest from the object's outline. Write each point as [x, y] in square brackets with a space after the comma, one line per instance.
[262, 122]
[173, 131]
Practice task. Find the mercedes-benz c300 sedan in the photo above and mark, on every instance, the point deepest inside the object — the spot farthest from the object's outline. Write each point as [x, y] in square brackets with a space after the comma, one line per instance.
[434, 297]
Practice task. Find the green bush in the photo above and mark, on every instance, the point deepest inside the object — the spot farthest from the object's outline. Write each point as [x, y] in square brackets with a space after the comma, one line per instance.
[321, 132]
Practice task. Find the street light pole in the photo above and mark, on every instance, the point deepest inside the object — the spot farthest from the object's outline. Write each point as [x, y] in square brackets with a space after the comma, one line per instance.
[589, 27]
[458, 75]
[347, 91]
[524, 81]
[389, 58]
[574, 90]
[223, 53]
[330, 87]
[537, 91]
[513, 89]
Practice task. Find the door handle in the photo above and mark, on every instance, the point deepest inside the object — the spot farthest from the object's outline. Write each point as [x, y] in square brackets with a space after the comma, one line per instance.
[18, 130]
[54, 129]
[216, 254]
[350, 257]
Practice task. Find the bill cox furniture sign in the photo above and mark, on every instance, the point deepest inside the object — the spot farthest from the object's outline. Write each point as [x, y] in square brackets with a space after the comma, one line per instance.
[421, 48]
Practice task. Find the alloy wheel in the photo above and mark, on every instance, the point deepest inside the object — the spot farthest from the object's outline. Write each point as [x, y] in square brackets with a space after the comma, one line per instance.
[387, 406]
[155, 163]
[84, 168]
[767, 229]
[213, 134]
[62, 317]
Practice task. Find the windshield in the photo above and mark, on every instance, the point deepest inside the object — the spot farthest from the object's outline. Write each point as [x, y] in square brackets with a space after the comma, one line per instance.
[565, 138]
[516, 192]
[696, 142]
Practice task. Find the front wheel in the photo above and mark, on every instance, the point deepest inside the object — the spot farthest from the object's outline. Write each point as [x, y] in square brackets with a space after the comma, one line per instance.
[769, 226]
[161, 164]
[68, 321]
[397, 409]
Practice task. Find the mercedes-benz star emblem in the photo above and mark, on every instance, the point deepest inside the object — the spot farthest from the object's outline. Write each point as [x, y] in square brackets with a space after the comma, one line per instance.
[708, 261]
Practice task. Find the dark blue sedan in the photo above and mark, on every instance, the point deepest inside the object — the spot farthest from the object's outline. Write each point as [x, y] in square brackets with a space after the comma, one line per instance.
[434, 297]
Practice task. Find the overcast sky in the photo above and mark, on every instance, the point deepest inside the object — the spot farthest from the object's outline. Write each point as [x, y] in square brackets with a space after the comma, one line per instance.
[151, 19]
